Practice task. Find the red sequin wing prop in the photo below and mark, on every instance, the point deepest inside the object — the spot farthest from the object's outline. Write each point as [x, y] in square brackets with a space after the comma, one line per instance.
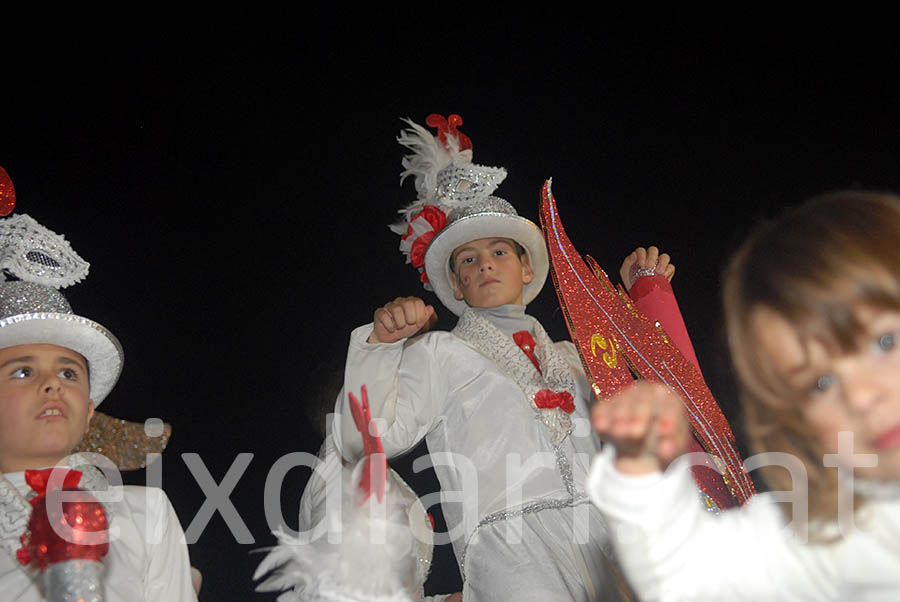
[374, 472]
[7, 194]
[614, 339]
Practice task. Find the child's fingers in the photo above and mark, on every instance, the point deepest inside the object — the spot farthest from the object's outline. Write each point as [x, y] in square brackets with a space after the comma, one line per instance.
[673, 430]
[651, 258]
[664, 267]
[662, 262]
[625, 269]
[398, 314]
[413, 311]
[641, 256]
[600, 419]
[669, 272]
[384, 319]
[632, 416]
[430, 316]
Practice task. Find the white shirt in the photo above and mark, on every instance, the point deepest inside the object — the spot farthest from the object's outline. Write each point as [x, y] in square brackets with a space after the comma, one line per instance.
[137, 568]
[672, 549]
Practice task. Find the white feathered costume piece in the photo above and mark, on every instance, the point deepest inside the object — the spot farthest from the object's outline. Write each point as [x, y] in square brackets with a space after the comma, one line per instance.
[369, 551]
[429, 157]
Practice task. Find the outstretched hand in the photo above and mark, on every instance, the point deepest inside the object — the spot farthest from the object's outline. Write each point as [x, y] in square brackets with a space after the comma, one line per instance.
[642, 262]
[401, 318]
[646, 423]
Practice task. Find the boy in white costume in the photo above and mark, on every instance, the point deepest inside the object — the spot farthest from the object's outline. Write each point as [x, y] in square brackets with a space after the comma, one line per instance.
[55, 368]
[504, 409]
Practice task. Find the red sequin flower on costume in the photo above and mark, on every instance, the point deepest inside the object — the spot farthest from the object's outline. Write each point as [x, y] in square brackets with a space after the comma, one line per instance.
[422, 229]
[546, 399]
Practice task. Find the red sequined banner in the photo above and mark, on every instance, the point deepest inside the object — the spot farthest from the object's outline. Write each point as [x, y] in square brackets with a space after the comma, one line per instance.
[616, 342]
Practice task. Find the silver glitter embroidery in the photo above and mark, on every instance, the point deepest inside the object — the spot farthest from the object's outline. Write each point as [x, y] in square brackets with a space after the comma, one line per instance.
[515, 365]
[531, 508]
[565, 471]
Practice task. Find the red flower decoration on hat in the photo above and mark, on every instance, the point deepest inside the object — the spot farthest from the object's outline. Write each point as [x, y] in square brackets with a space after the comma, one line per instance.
[436, 220]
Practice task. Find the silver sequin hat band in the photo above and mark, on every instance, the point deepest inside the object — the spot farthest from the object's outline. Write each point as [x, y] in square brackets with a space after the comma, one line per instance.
[32, 313]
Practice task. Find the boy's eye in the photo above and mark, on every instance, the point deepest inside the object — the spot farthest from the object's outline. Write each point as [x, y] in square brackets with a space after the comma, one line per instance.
[500, 252]
[68, 374]
[21, 373]
[467, 260]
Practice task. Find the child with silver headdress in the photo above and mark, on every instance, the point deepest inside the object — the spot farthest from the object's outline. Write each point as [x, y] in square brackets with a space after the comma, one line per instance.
[56, 367]
[504, 409]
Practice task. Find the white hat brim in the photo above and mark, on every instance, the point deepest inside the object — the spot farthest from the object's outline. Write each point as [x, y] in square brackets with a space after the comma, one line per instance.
[477, 226]
[98, 345]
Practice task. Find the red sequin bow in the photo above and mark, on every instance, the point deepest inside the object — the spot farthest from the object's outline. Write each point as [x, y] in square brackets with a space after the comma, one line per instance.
[546, 399]
[446, 126]
[38, 479]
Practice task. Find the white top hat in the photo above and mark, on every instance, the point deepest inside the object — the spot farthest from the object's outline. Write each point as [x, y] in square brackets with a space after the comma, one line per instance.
[32, 310]
[455, 205]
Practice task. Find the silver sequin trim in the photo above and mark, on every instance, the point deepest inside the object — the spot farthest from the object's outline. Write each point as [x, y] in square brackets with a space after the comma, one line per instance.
[531, 508]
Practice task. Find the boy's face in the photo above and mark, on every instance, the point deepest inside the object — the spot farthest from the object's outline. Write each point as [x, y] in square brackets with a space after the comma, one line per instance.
[855, 390]
[488, 272]
[45, 405]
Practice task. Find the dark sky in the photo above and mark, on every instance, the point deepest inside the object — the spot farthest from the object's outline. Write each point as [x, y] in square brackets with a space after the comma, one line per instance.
[231, 183]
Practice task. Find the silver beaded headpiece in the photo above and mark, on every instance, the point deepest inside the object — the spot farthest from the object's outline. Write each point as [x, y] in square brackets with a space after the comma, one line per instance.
[32, 310]
[31, 252]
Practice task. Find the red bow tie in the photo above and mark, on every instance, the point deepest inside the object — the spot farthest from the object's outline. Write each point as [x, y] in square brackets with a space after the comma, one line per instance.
[526, 343]
[547, 400]
[38, 479]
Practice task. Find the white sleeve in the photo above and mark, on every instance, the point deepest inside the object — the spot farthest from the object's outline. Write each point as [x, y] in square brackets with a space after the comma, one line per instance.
[168, 577]
[671, 548]
[404, 391]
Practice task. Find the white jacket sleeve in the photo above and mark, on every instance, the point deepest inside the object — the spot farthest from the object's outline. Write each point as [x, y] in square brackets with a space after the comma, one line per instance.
[404, 386]
[672, 548]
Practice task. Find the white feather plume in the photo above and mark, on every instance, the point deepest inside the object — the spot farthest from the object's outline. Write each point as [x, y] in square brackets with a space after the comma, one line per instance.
[375, 559]
[428, 157]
